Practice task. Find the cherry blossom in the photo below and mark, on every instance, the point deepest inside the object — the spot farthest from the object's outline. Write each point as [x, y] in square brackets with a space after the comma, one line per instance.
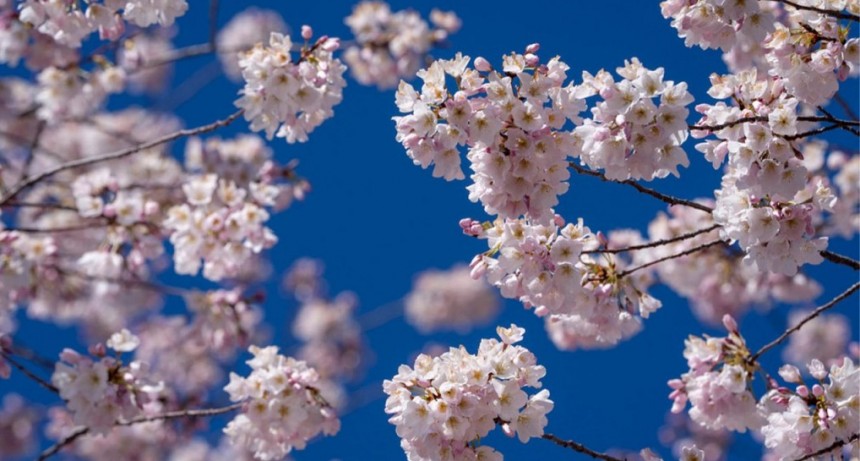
[286, 98]
[445, 404]
[282, 407]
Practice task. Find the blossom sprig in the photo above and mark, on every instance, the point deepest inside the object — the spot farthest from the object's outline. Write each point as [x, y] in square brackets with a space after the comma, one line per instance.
[68, 24]
[511, 121]
[444, 405]
[246, 29]
[282, 407]
[589, 300]
[221, 225]
[763, 203]
[810, 418]
[287, 98]
[392, 45]
[101, 390]
[717, 385]
[628, 135]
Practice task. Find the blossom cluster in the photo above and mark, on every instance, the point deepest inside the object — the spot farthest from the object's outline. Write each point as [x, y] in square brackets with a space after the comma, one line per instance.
[810, 418]
[449, 299]
[392, 45]
[766, 202]
[717, 385]
[444, 405]
[715, 279]
[18, 426]
[628, 135]
[793, 423]
[802, 45]
[282, 407]
[100, 392]
[221, 224]
[69, 25]
[290, 98]
[67, 94]
[512, 123]
[586, 297]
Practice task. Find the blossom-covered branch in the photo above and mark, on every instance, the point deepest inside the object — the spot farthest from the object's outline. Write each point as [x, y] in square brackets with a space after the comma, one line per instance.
[15, 190]
[192, 413]
[824, 11]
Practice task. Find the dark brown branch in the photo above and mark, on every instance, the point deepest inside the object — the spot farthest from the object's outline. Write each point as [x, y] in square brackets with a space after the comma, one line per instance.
[117, 155]
[656, 243]
[840, 259]
[806, 319]
[645, 190]
[578, 447]
[831, 447]
[673, 256]
[29, 374]
[826, 12]
[804, 118]
[81, 431]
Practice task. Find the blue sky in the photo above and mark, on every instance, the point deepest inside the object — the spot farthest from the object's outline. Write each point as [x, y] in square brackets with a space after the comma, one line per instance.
[376, 220]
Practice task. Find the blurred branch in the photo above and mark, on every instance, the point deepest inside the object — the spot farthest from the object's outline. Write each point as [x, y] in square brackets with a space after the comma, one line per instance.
[116, 155]
[81, 431]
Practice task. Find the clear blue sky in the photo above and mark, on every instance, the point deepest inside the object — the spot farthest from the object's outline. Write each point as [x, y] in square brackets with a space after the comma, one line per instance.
[362, 181]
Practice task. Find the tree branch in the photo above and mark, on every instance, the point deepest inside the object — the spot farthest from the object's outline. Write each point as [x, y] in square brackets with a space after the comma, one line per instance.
[28, 373]
[840, 259]
[578, 447]
[645, 190]
[117, 155]
[831, 13]
[806, 319]
[656, 243]
[81, 431]
[831, 447]
[666, 258]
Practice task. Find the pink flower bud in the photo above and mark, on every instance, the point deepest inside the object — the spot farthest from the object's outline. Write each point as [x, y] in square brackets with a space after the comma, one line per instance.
[307, 32]
[97, 350]
[482, 65]
[730, 323]
[817, 390]
[802, 391]
[533, 48]
[532, 60]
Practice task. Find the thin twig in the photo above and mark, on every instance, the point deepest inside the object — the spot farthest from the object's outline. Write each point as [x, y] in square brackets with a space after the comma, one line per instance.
[832, 13]
[53, 449]
[645, 190]
[845, 106]
[806, 319]
[578, 447]
[381, 315]
[117, 155]
[673, 256]
[831, 447]
[656, 243]
[29, 374]
[31, 151]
